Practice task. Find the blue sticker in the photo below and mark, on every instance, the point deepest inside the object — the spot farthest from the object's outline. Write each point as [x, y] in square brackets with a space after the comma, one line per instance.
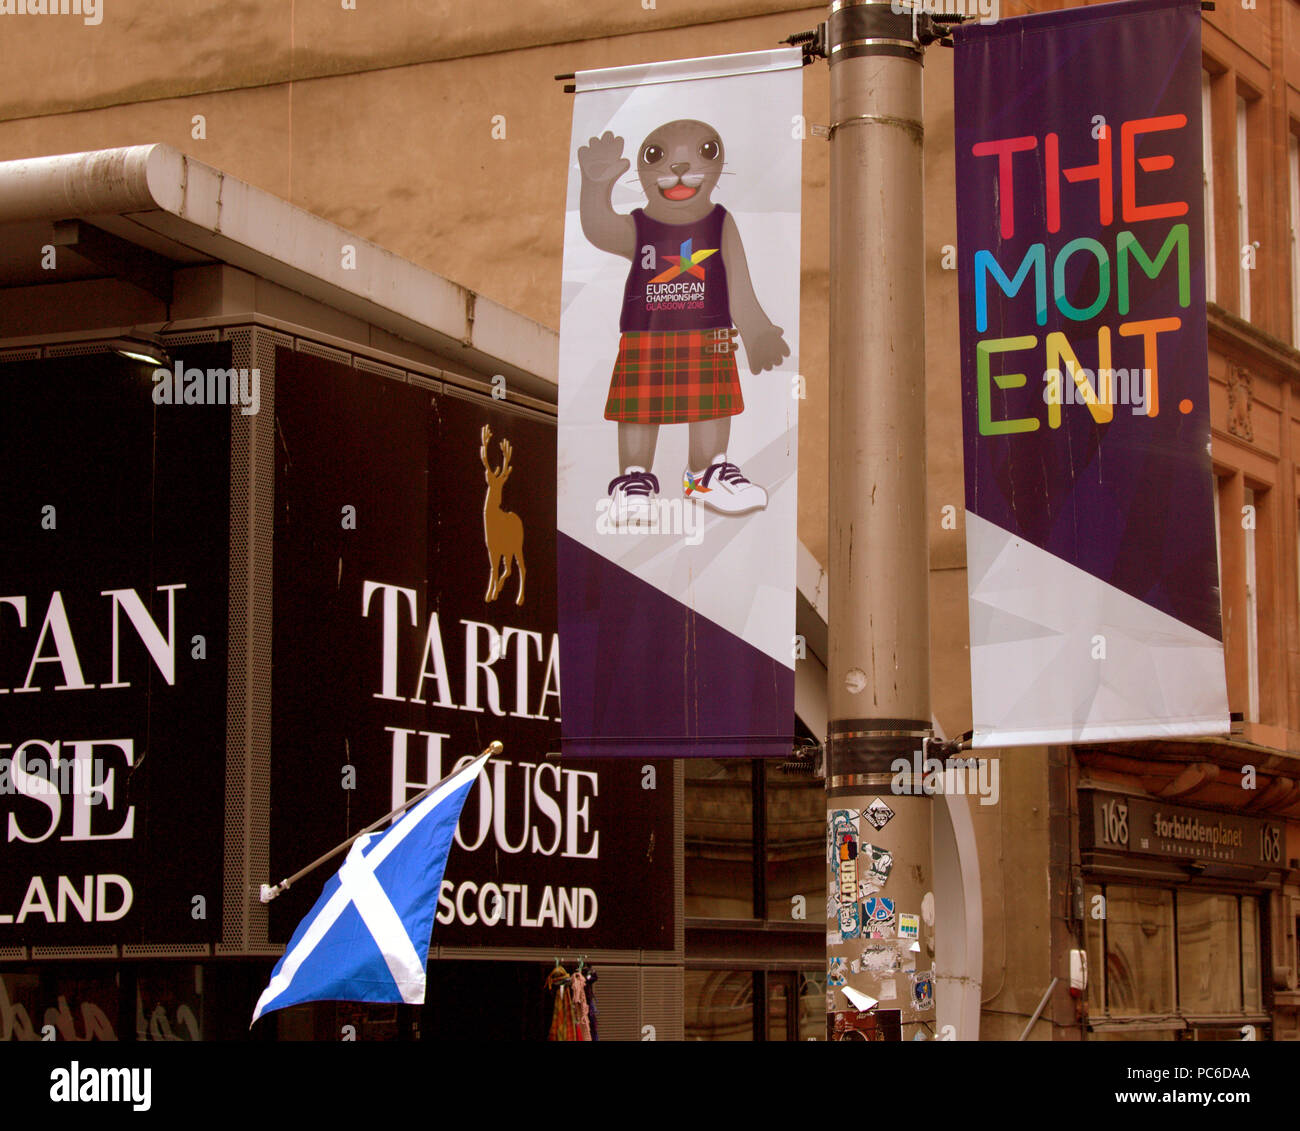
[844, 839]
[850, 923]
[923, 991]
[879, 909]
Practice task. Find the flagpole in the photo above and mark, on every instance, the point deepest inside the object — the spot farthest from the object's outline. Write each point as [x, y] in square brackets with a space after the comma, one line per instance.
[269, 891]
[878, 671]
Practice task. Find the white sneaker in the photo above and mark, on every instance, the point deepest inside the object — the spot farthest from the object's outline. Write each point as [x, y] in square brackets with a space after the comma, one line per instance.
[723, 487]
[632, 498]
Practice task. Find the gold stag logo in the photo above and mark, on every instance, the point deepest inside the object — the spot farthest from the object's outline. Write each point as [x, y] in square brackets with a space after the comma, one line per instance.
[503, 532]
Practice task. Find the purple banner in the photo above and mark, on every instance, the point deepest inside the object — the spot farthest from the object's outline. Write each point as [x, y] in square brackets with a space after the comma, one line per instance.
[1085, 398]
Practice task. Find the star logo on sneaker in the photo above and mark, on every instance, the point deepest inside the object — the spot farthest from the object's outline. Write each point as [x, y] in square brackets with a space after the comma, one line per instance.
[727, 488]
[692, 483]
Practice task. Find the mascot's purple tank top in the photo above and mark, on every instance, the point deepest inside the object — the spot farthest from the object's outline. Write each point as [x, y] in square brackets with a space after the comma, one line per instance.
[686, 289]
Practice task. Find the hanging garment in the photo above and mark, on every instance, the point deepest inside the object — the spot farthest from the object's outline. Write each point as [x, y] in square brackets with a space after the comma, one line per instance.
[577, 987]
[564, 1023]
[591, 1002]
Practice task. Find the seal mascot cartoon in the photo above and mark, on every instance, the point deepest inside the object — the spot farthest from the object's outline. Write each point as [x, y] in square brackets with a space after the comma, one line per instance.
[687, 295]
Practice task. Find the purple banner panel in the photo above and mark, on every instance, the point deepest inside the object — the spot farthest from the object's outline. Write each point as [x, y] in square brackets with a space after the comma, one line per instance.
[1093, 582]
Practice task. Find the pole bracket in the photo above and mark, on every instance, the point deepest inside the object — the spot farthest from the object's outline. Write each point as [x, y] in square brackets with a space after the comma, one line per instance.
[813, 43]
[862, 752]
[860, 28]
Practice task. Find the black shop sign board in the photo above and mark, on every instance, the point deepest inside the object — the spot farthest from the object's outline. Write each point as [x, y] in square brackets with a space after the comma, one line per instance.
[1113, 822]
[415, 622]
[115, 512]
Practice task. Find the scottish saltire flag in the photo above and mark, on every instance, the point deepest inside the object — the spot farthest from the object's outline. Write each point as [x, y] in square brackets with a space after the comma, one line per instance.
[367, 937]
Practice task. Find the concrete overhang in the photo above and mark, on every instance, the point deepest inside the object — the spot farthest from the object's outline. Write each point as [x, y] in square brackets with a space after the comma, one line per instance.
[182, 211]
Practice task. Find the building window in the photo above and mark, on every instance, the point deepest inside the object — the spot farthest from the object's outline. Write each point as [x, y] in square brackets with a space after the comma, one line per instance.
[1209, 954]
[1243, 212]
[1207, 180]
[755, 840]
[1293, 164]
[755, 1005]
[1252, 989]
[719, 1005]
[755, 864]
[1167, 956]
[1295, 940]
[1139, 954]
[1252, 605]
[720, 838]
[1218, 530]
[794, 843]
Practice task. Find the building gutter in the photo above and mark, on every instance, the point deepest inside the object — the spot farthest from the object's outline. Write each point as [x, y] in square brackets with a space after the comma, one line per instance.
[172, 195]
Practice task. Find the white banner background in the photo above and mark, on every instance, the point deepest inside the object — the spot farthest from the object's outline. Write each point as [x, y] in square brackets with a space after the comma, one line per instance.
[742, 573]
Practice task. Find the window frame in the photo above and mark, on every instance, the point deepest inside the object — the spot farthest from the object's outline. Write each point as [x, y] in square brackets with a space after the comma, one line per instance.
[1179, 1018]
[1243, 204]
[1207, 182]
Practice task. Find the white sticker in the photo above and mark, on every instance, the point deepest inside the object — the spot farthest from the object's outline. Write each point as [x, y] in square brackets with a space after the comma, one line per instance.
[888, 989]
[877, 863]
[848, 880]
[879, 958]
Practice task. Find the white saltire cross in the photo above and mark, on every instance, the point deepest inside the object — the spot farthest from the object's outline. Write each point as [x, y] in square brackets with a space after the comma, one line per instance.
[358, 887]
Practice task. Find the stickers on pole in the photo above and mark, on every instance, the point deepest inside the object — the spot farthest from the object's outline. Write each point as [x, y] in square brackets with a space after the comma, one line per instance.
[843, 831]
[879, 914]
[848, 872]
[844, 864]
[923, 991]
[850, 921]
[880, 958]
[877, 814]
[874, 866]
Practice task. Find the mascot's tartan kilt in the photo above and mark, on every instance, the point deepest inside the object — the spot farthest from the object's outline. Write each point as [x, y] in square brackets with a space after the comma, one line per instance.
[674, 377]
